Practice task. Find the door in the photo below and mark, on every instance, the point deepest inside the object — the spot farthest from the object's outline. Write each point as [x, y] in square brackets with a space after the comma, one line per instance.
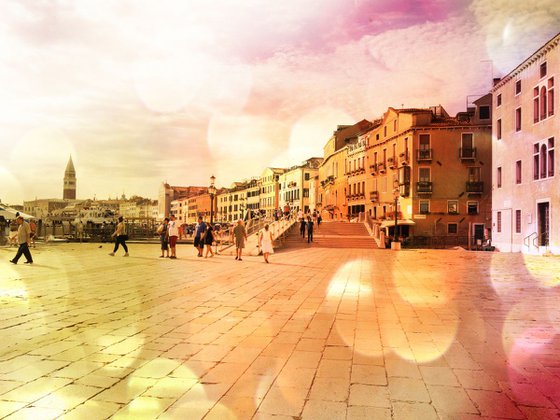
[478, 230]
[543, 223]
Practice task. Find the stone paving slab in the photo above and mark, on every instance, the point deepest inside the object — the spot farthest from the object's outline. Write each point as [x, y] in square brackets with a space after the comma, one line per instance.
[316, 334]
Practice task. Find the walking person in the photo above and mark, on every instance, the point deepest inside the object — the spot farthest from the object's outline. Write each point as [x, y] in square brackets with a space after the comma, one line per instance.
[265, 243]
[23, 239]
[121, 237]
[163, 231]
[319, 220]
[208, 239]
[80, 230]
[174, 232]
[309, 229]
[302, 225]
[200, 230]
[240, 236]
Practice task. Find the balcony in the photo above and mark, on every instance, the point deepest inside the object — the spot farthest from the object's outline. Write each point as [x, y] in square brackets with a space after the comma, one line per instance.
[374, 196]
[404, 190]
[404, 158]
[424, 155]
[381, 168]
[424, 187]
[373, 169]
[392, 162]
[467, 153]
[475, 187]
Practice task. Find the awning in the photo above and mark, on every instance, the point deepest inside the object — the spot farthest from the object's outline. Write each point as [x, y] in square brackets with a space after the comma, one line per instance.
[400, 222]
[10, 213]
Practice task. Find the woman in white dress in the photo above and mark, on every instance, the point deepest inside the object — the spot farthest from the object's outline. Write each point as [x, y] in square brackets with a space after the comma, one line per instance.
[265, 242]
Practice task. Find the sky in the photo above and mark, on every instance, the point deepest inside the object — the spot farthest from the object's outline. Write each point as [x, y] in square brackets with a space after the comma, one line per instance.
[140, 92]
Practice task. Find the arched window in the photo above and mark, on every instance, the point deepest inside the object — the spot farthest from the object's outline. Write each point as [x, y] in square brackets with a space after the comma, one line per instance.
[543, 161]
[543, 103]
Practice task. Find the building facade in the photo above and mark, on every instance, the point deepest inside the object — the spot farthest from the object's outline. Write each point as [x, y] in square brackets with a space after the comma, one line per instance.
[432, 172]
[168, 193]
[294, 185]
[526, 199]
[269, 190]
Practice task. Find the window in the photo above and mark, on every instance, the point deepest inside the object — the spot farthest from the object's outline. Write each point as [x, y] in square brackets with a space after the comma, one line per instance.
[518, 87]
[518, 119]
[543, 70]
[518, 172]
[474, 174]
[385, 131]
[453, 207]
[395, 126]
[307, 176]
[484, 112]
[424, 206]
[472, 207]
[499, 100]
[424, 174]
[499, 221]
[467, 146]
[551, 157]
[536, 105]
[551, 96]
[499, 129]
[517, 221]
[542, 157]
[536, 161]
[543, 103]
[452, 228]
[499, 177]
[306, 192]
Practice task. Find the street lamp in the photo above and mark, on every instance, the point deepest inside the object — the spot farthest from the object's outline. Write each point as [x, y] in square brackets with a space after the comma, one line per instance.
[212, 192]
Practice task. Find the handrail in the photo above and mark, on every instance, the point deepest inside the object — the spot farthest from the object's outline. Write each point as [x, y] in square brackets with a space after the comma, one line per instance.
[527, 240]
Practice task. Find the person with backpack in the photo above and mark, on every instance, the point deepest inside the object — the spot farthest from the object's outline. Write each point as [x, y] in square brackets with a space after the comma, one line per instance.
[163, 231]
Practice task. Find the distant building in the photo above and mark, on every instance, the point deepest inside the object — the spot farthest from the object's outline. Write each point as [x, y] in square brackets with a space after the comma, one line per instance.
[526, 198]
[269, 199]
[42, 207]
[168, 193]
[69, 190]
[333, 182]
[294, 185]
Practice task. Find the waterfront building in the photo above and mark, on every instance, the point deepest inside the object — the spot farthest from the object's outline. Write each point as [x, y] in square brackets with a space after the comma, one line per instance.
[180, 209]
[253, 196]
[294, 185]
[41, 208]
[231, 203]
[69, 189]
[269, 199]
[432, 172]
[332, 179]
[526, 201]
[168, 193]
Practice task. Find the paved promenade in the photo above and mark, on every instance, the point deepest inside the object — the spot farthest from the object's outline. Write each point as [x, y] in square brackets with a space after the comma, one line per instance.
[316, 334]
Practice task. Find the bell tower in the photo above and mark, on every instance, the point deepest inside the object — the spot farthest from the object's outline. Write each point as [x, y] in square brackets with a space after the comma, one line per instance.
[69, 192]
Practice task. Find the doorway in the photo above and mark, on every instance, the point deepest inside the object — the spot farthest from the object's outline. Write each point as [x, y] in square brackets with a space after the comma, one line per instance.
[543, 213]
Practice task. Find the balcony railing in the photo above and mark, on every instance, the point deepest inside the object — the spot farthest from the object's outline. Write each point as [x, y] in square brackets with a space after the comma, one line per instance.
[373, 169]
[404, 158]
[467, 152]
[475, 187]
[424, 154]
[424, 187]
[392, 162]
[374, 196]
[381, 168]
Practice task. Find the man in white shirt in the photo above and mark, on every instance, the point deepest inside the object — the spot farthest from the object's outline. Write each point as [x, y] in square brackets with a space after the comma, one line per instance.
[174, 234]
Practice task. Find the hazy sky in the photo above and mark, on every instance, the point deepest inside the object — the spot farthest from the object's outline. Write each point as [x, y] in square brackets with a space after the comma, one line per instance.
[141, 92]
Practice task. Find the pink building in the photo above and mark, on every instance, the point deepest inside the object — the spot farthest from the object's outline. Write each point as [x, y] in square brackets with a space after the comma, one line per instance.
[526, 189]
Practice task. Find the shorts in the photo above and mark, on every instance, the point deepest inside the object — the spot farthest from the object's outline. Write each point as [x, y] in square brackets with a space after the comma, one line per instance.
[164, 245]
[197, 242]
[240, 242]
[172, 241]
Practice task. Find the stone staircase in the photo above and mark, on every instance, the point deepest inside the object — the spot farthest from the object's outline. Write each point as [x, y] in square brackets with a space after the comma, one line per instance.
[332, 235]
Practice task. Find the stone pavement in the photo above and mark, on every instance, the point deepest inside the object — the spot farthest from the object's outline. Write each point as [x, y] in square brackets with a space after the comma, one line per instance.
[317, 334]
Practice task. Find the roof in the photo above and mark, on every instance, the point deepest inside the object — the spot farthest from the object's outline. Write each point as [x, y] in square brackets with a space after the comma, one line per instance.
[70, 166]
[549, 45]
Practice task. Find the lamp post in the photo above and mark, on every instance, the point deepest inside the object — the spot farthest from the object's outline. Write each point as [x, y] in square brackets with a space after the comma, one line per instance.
[396, 245]
[212, 192]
